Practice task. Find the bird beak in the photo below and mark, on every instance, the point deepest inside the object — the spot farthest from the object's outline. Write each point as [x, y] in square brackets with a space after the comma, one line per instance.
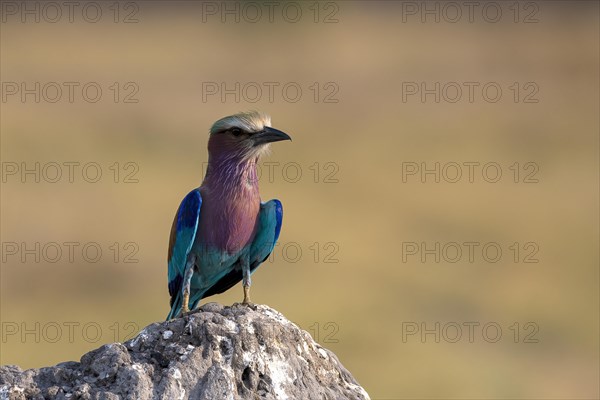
[269, 135]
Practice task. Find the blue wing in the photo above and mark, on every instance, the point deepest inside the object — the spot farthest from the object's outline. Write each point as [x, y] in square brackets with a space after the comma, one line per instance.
[183, 233]
[269, 225]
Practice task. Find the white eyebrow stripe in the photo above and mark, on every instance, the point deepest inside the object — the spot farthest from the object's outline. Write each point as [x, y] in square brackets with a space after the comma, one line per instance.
[252, 121]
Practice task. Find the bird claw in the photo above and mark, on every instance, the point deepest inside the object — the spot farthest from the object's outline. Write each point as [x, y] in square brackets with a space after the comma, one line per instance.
[189, 312]
[248, 303]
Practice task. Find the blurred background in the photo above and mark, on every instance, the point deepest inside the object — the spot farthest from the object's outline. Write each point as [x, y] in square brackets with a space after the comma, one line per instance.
[440, 193]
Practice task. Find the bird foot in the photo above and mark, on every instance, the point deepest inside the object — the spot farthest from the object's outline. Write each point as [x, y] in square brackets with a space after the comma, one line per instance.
[248, 304]
[189, 312]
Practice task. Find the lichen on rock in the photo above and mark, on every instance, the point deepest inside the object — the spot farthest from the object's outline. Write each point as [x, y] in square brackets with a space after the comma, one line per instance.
[237, 352]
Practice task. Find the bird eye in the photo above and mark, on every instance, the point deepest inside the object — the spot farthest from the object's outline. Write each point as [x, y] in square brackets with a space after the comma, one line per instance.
[236, 131]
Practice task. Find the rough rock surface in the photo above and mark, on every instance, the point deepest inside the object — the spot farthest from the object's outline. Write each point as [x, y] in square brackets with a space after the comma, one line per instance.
[236, 352]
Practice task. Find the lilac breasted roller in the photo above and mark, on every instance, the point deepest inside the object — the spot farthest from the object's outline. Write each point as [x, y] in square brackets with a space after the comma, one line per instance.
[222, 231]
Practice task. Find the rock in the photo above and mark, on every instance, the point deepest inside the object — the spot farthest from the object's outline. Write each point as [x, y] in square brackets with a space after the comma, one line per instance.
[237, 352]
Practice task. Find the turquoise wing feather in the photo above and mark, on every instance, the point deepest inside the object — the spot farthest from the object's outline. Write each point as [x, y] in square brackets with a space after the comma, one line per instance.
[269, 227]
[183, 234]
[270, 218]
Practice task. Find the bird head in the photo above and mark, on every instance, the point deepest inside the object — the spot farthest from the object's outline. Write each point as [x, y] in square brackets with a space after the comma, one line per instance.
[245, 135]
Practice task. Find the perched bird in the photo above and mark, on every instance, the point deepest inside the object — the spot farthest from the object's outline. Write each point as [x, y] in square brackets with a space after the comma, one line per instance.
[222, 232]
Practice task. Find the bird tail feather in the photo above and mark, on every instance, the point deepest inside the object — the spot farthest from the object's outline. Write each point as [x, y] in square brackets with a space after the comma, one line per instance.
[175, 307]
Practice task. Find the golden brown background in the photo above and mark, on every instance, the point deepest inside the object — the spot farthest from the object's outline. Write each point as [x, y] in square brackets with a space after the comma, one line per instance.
[361, 306]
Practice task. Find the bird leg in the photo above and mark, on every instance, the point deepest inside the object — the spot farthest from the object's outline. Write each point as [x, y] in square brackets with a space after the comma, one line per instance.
[246, 294]
[246, 281]
[189, 271]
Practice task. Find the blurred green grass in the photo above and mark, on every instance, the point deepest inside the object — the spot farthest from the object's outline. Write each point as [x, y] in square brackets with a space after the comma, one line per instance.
[370, 292]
